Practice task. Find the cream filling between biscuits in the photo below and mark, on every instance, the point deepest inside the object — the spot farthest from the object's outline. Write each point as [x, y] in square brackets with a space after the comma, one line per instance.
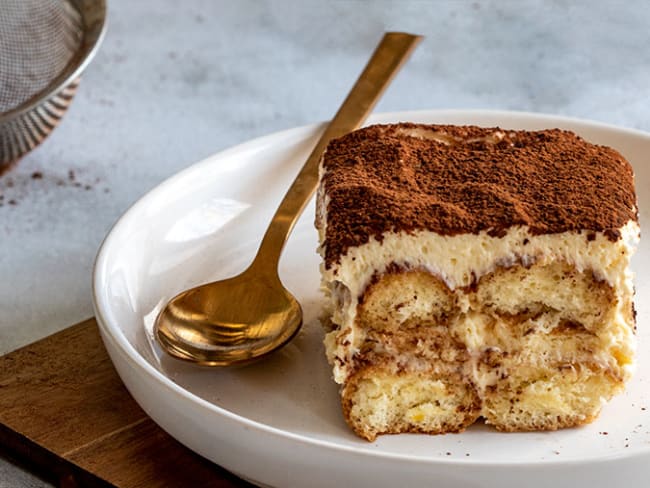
[460, 261]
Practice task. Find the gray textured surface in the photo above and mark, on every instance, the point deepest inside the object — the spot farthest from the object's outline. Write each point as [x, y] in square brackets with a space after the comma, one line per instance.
[13, 477]
[175, 82]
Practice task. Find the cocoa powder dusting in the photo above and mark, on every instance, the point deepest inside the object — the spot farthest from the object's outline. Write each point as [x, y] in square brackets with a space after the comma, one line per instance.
[380, 179]
[17, 188]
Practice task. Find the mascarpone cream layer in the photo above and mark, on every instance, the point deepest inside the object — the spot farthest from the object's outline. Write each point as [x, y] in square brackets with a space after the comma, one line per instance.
[460, 260]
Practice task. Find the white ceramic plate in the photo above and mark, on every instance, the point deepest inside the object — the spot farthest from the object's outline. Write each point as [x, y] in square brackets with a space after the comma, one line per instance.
[278, 423]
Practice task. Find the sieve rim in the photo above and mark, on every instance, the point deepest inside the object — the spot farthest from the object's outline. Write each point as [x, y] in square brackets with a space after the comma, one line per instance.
[94, 16]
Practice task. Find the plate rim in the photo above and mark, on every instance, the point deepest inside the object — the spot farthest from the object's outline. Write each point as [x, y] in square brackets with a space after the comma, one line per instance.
[112, 332]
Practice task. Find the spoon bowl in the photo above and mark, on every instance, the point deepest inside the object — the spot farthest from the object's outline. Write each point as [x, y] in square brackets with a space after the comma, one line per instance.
[231, 322]
[244, 318]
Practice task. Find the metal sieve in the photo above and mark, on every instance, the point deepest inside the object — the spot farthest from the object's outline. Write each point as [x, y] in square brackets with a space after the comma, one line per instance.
[44, 47]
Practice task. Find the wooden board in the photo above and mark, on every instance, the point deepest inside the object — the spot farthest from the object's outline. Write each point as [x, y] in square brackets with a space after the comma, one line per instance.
[65, 412]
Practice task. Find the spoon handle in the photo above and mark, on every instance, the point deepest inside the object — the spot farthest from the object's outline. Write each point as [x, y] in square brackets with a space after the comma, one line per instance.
[388, 58]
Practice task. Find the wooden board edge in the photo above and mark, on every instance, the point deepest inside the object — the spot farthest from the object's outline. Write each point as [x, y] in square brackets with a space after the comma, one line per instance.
[44, 463]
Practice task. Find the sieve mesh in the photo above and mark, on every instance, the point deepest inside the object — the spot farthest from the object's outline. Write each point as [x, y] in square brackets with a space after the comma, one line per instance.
[38, 39]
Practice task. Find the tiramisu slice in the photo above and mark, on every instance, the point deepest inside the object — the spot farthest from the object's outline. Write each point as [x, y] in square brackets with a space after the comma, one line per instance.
[476, 272]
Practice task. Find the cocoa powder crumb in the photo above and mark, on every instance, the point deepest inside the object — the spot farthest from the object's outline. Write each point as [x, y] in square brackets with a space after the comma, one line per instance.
[17, 189]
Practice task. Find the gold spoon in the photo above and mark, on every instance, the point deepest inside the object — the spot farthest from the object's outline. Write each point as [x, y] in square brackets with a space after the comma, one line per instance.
[240, 319]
